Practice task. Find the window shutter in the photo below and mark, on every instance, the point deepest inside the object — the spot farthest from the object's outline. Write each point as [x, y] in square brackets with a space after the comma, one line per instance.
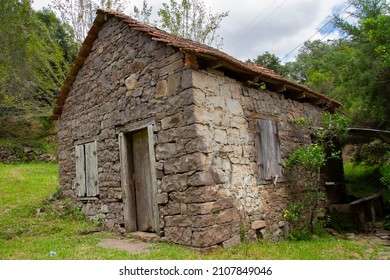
[269, 158]
[91, 171]
[80, 171]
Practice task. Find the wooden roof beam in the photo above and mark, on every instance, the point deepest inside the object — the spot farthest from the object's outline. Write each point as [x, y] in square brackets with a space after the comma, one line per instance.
[277, 87]
[295, 95]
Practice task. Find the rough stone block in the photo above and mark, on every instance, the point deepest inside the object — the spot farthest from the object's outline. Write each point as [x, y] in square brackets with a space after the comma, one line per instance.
[162, 198]
[161, 89]
[203, 221]
[174, 83]
[203, 178]
[172, 121]
[227, 215]
[174, 183]
[172, 208]
[168, 150]
[131, 82]
[200, 194]
[258, 225]
[178, 221]
[235, 240]
[171, 68]
[201, 208]
[179, 235]
[211, 236]
[186, 163]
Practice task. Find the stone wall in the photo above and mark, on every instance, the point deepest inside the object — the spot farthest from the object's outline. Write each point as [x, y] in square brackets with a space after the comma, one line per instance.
[207, 192]
[225, 111]
[18, 154]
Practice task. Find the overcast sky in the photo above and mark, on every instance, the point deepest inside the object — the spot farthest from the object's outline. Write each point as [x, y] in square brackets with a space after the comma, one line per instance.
[256, 26]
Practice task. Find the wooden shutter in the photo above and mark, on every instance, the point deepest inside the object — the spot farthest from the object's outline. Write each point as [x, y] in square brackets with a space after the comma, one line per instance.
[80, 171]
[269, 158]
[91, 170]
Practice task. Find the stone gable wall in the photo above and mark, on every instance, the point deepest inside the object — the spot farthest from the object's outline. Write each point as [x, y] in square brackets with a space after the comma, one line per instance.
[207, 192]
[126, 79]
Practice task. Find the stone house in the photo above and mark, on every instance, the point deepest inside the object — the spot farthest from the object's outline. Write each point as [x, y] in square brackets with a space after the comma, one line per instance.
[162, 134]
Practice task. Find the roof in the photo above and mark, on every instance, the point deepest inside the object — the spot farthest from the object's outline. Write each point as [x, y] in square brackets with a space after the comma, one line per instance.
[203, 55]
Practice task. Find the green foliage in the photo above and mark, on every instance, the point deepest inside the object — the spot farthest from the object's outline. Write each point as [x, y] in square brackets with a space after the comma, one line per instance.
[293, 213]
[305, 215]
[190, 19]
[80, 14]
[385, 172]
[36, 51]
[269, 61]
[354, 69]
[362, 179]
[311, 157]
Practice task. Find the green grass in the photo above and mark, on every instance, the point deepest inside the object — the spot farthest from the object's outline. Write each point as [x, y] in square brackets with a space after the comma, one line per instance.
[35, 220]
[362, 180]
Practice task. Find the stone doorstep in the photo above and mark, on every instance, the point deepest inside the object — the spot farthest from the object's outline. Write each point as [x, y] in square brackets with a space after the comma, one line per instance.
[145, 236]
[131, 246]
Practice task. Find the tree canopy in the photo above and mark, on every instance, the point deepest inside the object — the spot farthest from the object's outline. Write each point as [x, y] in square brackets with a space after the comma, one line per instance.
[191, 19]
[354, 69]
[36, 51]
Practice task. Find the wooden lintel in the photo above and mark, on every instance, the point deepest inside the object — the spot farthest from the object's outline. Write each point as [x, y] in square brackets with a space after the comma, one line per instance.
[277, 87]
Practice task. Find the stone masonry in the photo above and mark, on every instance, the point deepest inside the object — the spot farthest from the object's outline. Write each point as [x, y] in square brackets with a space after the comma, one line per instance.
[203, 134]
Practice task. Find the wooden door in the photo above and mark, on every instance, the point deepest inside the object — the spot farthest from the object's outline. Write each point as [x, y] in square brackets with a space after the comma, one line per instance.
[142, 181]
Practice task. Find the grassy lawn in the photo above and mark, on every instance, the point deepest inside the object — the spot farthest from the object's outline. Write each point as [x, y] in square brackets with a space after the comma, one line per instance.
[35, 221]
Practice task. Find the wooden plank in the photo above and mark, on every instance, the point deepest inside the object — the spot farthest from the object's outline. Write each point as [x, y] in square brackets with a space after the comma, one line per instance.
[80, 171]
[142, 181]
[370, 197]
[269, 150]
[91, 171]
[153, 173]
[128, 195]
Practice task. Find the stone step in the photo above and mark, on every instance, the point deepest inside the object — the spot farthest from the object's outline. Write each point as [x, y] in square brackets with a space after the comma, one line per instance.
[145, 236]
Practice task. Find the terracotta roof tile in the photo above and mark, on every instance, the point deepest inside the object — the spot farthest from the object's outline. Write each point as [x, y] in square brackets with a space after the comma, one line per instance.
[185, 46]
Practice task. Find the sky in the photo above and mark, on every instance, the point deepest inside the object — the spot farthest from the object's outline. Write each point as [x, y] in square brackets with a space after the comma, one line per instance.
[256, 26]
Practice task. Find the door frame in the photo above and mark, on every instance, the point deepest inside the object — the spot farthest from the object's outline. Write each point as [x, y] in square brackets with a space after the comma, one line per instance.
[128, 193]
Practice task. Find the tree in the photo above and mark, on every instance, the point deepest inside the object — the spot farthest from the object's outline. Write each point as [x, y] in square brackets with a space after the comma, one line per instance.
[15, 53]
[355, 68]
[369, 34]
[36, 52]
[270, 61]
[80, 14]
[190, 19]
[55, 50]
[143, 15]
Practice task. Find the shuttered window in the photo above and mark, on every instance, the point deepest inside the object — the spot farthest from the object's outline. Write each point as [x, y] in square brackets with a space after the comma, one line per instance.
[268, 151]
[87, 170]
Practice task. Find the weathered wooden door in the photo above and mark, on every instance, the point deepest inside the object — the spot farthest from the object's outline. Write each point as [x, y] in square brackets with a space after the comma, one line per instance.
[138, 180]
[142, 180]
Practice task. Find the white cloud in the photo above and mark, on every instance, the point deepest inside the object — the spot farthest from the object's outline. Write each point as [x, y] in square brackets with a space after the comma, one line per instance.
[256, 26]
